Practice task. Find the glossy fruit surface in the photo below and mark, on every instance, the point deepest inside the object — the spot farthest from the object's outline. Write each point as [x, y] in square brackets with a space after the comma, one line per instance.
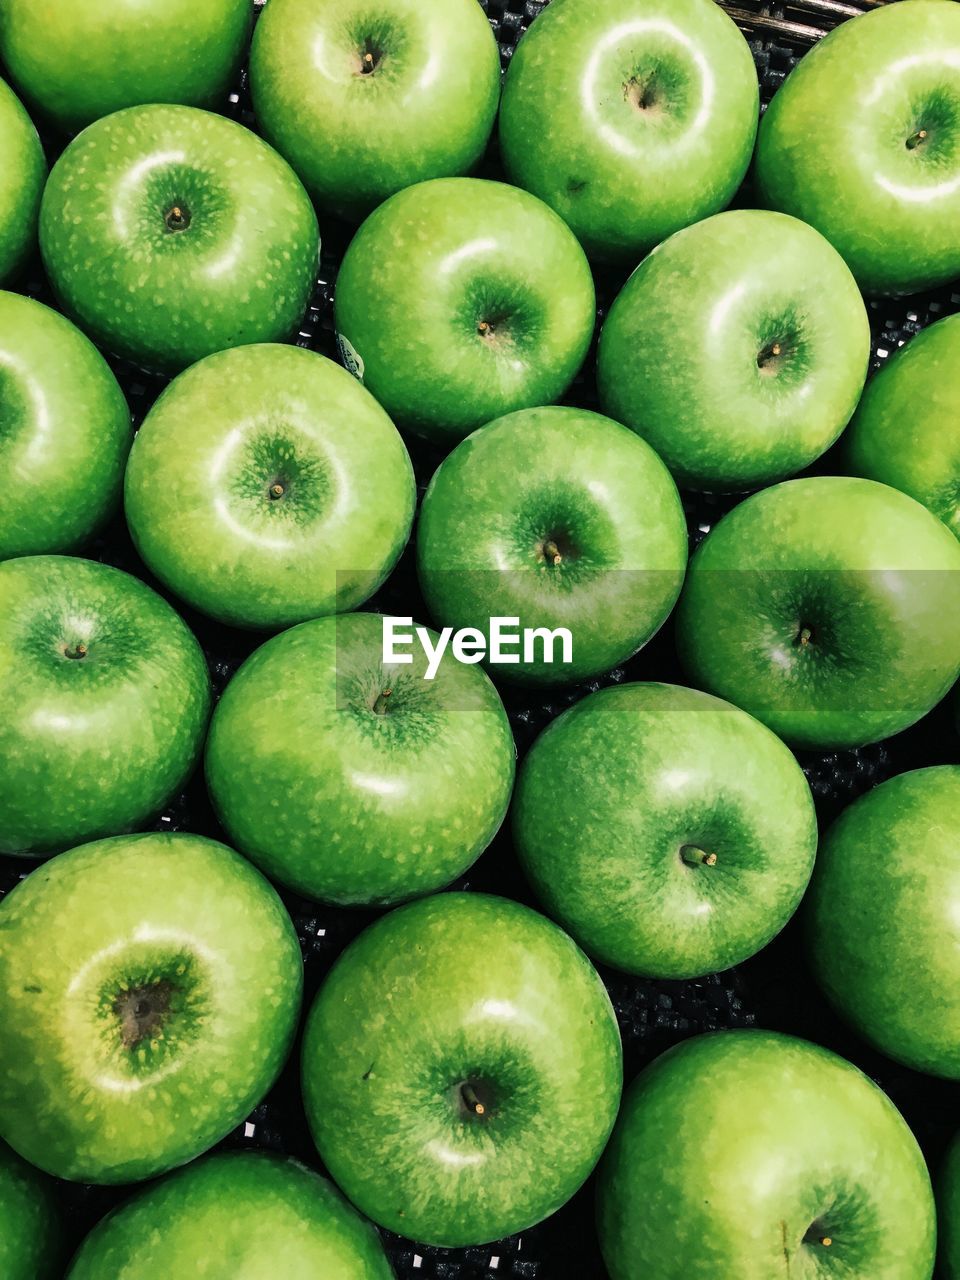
[364, 101]
[23, 171]
[149, 990]
[170, 233]
[266, 487]
[77, 62]
[103, 703]
[65, 435]
[29, 1221]
[671, 834]
[461, 1069]
[492, 311]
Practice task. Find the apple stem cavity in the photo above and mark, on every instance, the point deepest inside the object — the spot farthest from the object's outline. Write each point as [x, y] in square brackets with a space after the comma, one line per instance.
[694, 857]
[380, 706]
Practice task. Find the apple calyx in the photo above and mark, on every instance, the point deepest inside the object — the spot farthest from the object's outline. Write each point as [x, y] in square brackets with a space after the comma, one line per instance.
[142, 1010]
[696, 857]
[917, 139]
[177, 218]
[79, 650]
[643, 92]
[380, 705]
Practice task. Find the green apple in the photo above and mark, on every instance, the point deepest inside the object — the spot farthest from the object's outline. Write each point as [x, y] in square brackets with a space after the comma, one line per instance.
[906, 432]
[239, 1216]
[77, 62]
[555, 517]
[492, 311]
[881, 918]
[104, 698]
[355, 780]
[266, 487]
[461, 1069]
[23, 171]
[670, 833]
[170, 233]
[631, 118]
[149, 994]
[948, 1203]
[751, 1155]
[863, 142]
[738, 349]
[366, 99]
[29, 1222]
[829, 608]
[65, 436]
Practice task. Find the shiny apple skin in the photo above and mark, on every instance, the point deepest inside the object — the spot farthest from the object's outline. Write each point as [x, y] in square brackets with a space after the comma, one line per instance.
[833, 145]
[573, 132]
[424, 108]
[201, 488]
[23, 171]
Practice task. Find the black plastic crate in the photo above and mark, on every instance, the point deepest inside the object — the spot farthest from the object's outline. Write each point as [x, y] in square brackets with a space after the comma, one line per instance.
[772, 990]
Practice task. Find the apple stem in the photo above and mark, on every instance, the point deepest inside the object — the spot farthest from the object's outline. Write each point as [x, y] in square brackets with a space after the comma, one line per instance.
[471, 1101]
[826, 1241]
[484, 328]
[695, 857]
[277, 490]
[551, 552]
[918, 137]
[804, 637]
[78, 651]
[380, 706]
[177, 219]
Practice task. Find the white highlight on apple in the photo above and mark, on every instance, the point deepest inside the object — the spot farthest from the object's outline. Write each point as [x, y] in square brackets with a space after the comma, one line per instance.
[504, 644]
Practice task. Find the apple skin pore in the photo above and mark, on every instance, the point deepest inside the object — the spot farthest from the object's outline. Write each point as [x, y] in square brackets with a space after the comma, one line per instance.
[618, 793]
[267, 487]
[363, 106]
[631, 118]
[267, 1215]
[104, 704]
[863, 143]
[906, 431]
[787, 1147]
[169, 233]
[827, 607]
[492, 311]
[23, 171]
[455, 990]
[158, 978]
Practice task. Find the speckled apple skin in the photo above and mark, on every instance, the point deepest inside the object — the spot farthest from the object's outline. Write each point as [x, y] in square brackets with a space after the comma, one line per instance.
[66, 432]
[868, 572]
[426, 110]
[680, 351]
[198, 488]
[948, 1213]
[613, 791]
[344, 804]
[238, 1216]
[622, 178]
[242, 271]
[454, 988]
[77, 62]
[732, 1147]
[29, 1222]
[135, 910]
[91, 746]
[881, 918]
[23, 171]
[432, 264]
[567, 474]
[906, 432]
[832, 146]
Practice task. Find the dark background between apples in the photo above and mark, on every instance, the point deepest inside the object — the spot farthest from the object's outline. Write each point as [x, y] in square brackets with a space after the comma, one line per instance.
[773, 989]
